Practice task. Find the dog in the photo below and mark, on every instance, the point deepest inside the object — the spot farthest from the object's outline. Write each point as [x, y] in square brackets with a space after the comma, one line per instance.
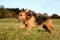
[31, 19]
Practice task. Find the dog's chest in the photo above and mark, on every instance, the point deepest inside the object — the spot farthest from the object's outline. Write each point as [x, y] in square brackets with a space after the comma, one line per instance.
[31, 22]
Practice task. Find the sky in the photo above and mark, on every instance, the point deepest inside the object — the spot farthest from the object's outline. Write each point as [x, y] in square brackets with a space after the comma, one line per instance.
[42, 6]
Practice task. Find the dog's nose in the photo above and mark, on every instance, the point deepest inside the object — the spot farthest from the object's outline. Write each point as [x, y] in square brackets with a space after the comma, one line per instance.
[19, 20]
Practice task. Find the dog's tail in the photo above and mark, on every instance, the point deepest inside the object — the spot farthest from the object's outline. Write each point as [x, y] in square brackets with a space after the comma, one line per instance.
[48, 25]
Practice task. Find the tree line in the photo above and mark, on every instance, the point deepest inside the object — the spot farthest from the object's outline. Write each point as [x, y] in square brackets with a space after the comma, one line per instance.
[12, 13]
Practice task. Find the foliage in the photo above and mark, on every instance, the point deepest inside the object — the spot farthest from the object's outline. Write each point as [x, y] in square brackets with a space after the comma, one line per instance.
[13, 12]
[55, 16]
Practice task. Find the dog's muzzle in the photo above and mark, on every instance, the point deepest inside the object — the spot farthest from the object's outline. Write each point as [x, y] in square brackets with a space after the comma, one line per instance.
[20, 20]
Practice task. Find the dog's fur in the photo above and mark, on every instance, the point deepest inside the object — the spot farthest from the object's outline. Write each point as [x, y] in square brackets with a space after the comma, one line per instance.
[31, 19]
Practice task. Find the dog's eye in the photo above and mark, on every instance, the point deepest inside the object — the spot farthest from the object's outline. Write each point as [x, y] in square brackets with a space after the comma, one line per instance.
[20, 15]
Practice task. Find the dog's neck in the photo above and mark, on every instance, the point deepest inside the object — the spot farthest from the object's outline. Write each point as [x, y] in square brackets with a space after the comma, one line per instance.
[28, 19]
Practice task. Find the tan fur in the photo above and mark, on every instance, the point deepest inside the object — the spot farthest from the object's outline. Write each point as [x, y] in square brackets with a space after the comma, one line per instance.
[31, 22]
[49, 24]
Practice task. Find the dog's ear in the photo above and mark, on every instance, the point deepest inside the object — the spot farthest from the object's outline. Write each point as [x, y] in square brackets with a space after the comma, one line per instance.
[22, 10]
[29, 14]
[26, 10]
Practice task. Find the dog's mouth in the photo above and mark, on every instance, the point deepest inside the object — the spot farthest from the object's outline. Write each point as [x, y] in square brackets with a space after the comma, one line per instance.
[20, 20]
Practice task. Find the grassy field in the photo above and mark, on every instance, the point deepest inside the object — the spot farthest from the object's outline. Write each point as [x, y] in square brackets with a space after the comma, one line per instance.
[9, 30]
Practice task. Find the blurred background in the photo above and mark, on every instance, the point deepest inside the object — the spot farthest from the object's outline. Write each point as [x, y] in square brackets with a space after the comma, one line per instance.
[12, 13]
[9, 9]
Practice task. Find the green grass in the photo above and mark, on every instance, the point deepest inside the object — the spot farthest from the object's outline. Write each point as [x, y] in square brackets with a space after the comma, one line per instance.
[9, 31]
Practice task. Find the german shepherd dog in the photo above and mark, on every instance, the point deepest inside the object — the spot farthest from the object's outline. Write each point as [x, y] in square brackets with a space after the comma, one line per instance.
[31, 19]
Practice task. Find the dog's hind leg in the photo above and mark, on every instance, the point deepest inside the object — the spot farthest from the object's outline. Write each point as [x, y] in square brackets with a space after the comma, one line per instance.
[45, 27]
[48, 25]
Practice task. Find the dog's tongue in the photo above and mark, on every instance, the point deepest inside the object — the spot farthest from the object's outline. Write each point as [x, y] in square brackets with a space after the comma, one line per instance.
[19, 20]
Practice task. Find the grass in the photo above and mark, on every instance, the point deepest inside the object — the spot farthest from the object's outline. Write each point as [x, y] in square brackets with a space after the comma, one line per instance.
[9, 31]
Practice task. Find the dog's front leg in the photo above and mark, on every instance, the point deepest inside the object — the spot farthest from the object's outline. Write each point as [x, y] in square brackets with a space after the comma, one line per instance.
[29, 28]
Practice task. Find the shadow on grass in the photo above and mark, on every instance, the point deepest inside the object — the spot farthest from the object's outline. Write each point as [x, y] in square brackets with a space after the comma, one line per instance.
[43, 30]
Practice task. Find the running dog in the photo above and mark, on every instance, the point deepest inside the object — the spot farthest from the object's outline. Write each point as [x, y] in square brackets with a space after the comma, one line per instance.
[31, 19]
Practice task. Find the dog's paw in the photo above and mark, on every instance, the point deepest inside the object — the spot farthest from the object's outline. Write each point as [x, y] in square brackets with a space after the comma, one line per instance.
[21, 26]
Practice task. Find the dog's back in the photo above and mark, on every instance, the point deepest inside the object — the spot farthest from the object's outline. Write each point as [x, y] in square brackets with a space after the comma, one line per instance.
[39, 19]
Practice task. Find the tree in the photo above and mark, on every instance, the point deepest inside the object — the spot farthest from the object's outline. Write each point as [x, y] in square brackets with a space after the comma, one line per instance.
[55, 16]
[1, 6]
[45, 14]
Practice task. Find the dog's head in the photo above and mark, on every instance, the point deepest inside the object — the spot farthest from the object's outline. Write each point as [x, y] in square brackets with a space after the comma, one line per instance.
[24, 14]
